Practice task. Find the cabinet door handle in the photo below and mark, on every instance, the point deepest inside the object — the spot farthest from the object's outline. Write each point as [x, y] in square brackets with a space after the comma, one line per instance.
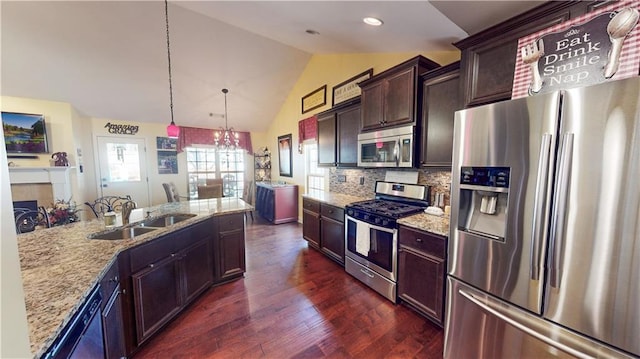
[173, 255]
[419, 240]
[151, 265]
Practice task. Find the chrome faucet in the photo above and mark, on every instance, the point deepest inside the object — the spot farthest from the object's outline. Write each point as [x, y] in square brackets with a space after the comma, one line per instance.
[127, 207]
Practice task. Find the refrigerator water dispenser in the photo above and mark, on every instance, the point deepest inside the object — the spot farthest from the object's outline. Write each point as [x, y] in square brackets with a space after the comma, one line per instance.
[484, 198]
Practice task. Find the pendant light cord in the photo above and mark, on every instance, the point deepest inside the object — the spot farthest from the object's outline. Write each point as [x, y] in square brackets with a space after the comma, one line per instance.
[226, 125]
[166, 16]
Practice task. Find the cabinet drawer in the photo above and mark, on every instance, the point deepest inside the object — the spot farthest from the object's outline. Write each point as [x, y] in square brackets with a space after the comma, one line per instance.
[188, 236]
[109, 281]
[424, 242]
[311, 205]
[332, 212]
[231, 222]
[143, 255]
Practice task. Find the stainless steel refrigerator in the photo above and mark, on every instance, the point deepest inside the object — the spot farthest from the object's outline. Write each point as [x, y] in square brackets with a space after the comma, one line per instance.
[544, 247]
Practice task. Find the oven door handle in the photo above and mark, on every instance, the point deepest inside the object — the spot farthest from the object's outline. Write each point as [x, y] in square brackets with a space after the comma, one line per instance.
[372, 226]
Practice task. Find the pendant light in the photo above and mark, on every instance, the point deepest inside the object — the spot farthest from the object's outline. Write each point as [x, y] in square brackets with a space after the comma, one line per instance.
[172, 130]
[225, 139]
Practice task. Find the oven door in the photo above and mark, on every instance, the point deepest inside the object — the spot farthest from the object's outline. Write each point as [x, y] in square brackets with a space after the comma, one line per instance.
[372, 246]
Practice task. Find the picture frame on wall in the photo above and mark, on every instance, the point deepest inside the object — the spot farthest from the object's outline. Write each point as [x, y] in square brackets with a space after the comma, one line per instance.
[285, 156]
[349, 88]
[166, 143]
[316, 98]
[167, 162]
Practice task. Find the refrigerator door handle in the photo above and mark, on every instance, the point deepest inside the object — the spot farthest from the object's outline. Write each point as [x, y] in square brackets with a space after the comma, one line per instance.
[496, 312]
[559, 209]
[539, 206]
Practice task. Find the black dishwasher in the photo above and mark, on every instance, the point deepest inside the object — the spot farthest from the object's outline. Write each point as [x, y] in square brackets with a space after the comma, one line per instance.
[82, 336]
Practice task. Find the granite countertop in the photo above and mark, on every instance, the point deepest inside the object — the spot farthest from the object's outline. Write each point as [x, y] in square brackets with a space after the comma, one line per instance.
[427, 222]
[333, 198]
[422, 221]
[60, 265]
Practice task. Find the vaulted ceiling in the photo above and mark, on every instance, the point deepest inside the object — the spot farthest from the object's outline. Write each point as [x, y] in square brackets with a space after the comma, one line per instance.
[109, 58]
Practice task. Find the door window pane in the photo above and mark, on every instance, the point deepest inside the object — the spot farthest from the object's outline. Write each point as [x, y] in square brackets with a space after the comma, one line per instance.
[123, 162]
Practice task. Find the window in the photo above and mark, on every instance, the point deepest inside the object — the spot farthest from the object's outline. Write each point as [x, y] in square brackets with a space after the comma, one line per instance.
[315, 174]
[208, 163]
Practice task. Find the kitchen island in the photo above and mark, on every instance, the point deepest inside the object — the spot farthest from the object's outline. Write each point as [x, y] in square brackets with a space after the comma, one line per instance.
[61, 265]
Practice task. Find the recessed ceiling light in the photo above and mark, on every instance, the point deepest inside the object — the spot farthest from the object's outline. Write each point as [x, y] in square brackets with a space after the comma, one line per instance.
[372, 21]
[312, 32]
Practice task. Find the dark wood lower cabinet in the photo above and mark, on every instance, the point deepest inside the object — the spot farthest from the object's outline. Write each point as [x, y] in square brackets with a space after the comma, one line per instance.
[421, 272]
[113, 328]
[333, 238]
[311, 222]
[196, 264]
[157, 296]
[112, 314]
[323, 228]
[229, 248]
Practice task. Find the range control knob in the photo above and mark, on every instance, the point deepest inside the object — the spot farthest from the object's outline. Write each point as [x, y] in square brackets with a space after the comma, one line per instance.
[385, 222]
[365, 217]
[350, 212]
[378, 220]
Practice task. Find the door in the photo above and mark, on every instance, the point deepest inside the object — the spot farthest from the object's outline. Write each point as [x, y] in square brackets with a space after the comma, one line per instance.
[516, 136]
[594, 258]
[122, 169]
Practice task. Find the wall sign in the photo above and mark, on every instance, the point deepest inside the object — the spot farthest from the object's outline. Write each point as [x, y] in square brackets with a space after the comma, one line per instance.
[121, 129]
[315, 99]
[349, 89]
[596, 47]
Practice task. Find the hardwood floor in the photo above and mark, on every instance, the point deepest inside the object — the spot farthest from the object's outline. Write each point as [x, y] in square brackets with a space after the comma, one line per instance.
[293, 302]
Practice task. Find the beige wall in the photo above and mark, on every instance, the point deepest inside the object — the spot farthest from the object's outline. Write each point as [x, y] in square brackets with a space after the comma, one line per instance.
[330, 70]
[14, 332]
[148, 132]
[65, 133]
[75, 133]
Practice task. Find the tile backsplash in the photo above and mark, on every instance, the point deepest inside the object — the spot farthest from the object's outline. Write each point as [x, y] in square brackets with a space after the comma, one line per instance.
[347, 181]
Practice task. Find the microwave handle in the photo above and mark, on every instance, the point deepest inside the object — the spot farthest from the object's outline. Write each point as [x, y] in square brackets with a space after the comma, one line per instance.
[396, 152]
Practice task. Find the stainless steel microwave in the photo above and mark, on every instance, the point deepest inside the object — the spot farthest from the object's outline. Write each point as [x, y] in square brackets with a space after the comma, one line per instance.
[393, 147]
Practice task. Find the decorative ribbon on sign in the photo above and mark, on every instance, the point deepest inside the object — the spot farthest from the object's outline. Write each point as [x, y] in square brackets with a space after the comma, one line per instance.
[596, 47]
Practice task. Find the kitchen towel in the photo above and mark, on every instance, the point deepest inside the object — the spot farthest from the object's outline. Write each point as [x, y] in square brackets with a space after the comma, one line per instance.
[362, 239]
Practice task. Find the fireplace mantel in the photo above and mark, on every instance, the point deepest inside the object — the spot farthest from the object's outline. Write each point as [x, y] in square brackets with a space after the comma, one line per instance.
[57, 176]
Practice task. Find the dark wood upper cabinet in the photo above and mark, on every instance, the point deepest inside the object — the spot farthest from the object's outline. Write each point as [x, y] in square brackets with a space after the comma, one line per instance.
[392, 97]
[440, 100]
[488, 58]
[348, 120]
[327, 139]
[338, 130]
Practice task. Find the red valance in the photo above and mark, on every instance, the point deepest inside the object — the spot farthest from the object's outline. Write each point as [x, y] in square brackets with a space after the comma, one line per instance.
[203, 136]
[308, 129]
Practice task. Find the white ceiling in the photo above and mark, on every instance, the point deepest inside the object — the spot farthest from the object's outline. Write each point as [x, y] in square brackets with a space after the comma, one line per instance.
[109, 58]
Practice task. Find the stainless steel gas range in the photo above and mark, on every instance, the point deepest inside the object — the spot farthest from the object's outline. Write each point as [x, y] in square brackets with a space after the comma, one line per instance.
[371, 234]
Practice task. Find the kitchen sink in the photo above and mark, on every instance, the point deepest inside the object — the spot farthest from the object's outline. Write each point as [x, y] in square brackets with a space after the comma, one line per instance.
[121, 233]
[166, 220]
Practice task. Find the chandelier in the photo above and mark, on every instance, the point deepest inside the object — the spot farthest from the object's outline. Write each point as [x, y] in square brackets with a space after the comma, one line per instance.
[172, 130]
[225, 139]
